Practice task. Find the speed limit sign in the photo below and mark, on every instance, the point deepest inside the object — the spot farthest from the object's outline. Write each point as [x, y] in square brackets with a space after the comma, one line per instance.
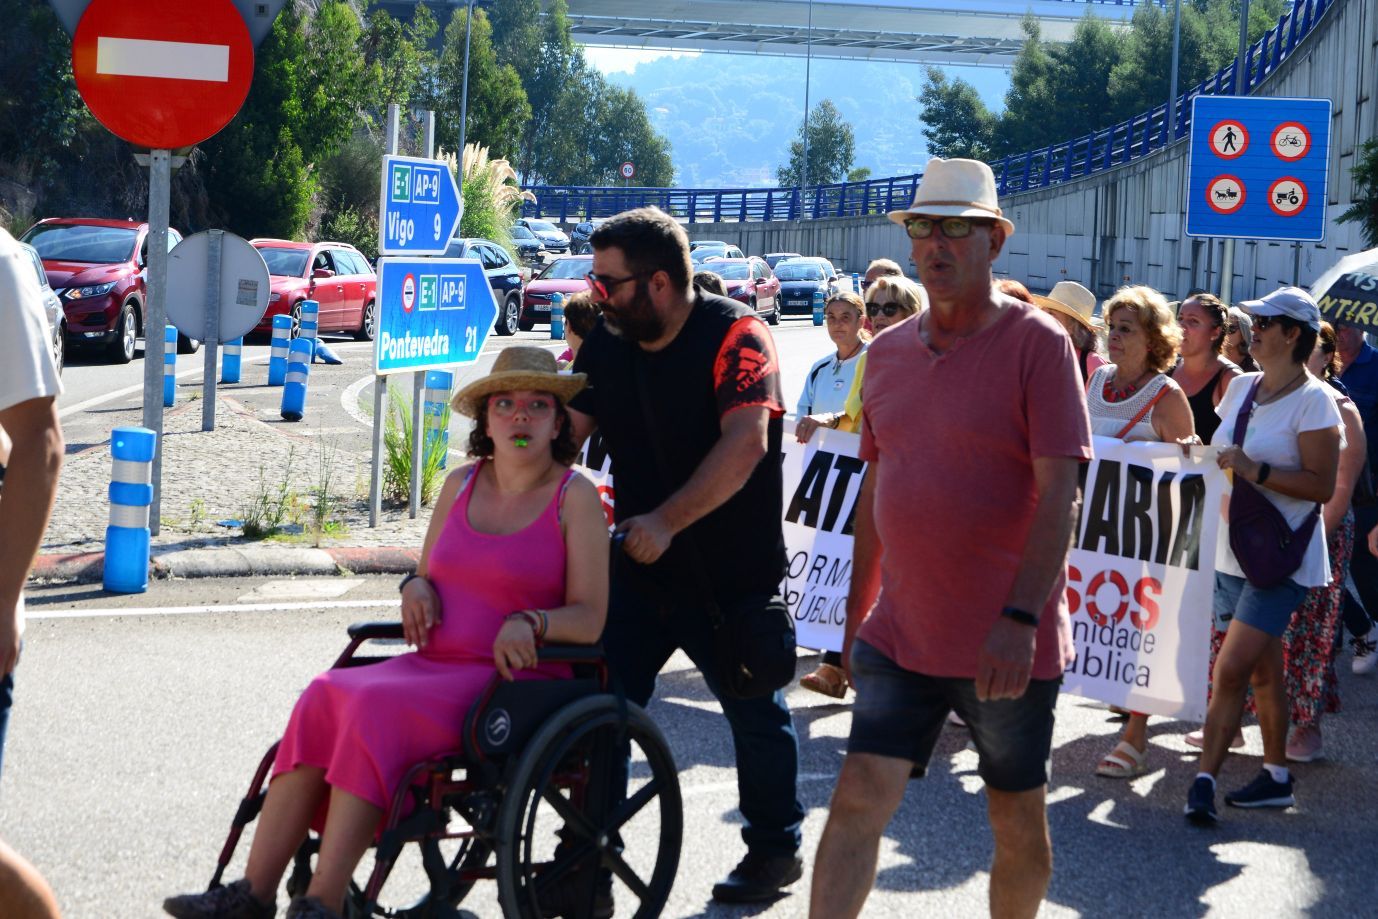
[628, 170]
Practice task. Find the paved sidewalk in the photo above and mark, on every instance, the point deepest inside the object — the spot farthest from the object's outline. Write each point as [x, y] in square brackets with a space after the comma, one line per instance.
[218, 475]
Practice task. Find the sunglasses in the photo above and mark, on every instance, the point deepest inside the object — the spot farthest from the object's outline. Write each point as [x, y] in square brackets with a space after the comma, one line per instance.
[952, 227]
[536, 407]
[1263, 322]
[875, 309]
[603, 286]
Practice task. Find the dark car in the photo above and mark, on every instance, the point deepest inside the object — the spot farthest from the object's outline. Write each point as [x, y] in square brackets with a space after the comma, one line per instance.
[552, 237]
[96, 267]
[52, 308]
[504, 277]
[773, 259]
[579, 236]
[529, 247]
[800, 279]
[335, 275]
[750, 281]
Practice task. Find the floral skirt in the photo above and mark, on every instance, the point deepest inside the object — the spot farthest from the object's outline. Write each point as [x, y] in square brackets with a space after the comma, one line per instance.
[1309, 645]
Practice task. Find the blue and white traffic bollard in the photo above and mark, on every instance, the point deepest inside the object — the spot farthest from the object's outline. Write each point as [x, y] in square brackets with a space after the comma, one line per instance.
[169, 366]
[310, 319]
[856, 283]
[557, 317]
[437, 395]
[294, 389]
[231, 352]
[818, 304]
[131, 493]
[277, 358]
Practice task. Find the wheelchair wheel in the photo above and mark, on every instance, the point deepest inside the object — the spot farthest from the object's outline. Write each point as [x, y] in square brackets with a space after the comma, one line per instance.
[562, 823]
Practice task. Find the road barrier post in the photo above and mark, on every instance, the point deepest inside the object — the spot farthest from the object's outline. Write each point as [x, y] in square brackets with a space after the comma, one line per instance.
[169, 365]
[131, 493]
[437, 392]
[818, 304]
[557, 317]
[294, 387]
[277, 360]
[229, 361]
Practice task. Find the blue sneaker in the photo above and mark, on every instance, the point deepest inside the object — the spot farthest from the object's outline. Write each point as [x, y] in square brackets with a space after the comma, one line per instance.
[1263, 791]
[1200, 808]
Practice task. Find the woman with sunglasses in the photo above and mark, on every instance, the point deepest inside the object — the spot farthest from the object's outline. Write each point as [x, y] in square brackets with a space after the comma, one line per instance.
[1291, 456]
[516, 553]
[1238, 338]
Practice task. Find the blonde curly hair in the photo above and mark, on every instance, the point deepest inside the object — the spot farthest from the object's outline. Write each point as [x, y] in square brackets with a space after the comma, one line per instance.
[1155, 317]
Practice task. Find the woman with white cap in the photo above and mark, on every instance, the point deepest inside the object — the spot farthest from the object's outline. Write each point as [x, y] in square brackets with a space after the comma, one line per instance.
[516, 553]
[1075, 308]
[1280, 439]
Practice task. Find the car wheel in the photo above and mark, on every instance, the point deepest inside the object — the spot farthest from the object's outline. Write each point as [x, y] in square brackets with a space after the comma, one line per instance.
[368, 327]
[510, 318]
[296, 321]
[121, 350]
[187, 345]
[60, 348]
[525, 322]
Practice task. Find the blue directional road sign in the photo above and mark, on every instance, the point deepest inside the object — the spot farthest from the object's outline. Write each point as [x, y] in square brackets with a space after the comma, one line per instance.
[1258, 167]
[420, 207]
[433, 312]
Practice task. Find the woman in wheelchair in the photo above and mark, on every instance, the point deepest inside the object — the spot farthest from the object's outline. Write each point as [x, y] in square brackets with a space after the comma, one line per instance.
[516, 553]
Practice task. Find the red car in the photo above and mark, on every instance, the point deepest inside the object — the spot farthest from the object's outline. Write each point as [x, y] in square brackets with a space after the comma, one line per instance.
[565, 275]
[335, 275]
[96, 267]
[750, 281]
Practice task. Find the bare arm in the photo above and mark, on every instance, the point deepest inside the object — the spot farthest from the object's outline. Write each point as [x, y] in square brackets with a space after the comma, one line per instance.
[1006, 659]
[1314, 481]
[1351, 467]
[865, 584]
[420, 603]
[1172, 419]
[721, 475]
[26, 502]
[583, 425]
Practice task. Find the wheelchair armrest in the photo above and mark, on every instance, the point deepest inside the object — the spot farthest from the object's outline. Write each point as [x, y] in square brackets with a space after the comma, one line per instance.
[570, 654]
[368, 631]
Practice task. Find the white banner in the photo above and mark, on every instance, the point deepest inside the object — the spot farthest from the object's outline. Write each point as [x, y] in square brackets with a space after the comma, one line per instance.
[1140, 577]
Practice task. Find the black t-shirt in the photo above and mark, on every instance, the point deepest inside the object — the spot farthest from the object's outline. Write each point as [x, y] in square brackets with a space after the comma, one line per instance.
[722, 359]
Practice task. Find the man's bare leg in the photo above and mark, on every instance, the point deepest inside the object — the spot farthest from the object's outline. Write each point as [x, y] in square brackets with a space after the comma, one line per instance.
[869, 790]
[1023, 862]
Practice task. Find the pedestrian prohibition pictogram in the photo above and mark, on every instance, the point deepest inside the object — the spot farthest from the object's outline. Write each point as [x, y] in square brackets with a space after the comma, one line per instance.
[1257, 168]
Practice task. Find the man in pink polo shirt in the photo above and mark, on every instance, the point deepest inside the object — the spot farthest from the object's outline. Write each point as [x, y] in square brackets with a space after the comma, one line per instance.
[962, 531]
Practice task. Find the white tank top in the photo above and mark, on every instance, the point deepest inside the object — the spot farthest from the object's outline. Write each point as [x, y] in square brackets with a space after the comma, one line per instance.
[1109, 418]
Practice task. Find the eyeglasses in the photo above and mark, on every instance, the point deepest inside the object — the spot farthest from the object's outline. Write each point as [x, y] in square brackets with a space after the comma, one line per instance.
[602, 286]
[952, 227]
[535, 407]
[875, 309]
[1262, 322]
[1231, 328]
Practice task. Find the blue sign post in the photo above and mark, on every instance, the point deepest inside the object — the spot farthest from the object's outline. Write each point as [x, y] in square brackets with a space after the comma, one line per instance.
[420, 207]
[1258, 168]
[432, 313]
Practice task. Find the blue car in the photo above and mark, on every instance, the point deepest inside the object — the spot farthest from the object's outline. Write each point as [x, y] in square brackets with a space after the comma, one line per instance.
[799, 280]
[504, 277]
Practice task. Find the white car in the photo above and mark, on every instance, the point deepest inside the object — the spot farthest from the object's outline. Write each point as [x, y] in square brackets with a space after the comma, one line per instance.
[52, 308]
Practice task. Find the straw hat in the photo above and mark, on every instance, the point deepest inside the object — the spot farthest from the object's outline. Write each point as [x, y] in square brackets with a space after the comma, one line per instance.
[955, 188]
[521, 367]
[1071, 299]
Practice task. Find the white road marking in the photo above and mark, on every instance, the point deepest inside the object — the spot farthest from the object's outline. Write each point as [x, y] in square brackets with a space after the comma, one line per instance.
[169, 60]
[300, 590]
[34, 613]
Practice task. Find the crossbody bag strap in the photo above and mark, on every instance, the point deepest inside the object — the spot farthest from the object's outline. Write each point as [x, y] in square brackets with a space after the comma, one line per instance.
[1241, 426]
[1148, 407]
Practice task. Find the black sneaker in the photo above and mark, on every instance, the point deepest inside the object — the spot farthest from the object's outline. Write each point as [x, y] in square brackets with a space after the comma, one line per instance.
[758, 878]
[234, 901]
[309, 908]
[1200, 808]
[1263, 791]
[565, 897]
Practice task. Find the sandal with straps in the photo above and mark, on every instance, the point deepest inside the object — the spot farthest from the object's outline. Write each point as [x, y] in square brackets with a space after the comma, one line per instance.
[1123, 762]
[828, 680]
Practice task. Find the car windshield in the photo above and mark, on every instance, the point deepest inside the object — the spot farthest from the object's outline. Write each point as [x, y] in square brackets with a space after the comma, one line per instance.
[729, 271]
[522, 233]
[285, 263]
[71, 243]
[566, 269]
[542, 226]
[791, 271]
[706, 252]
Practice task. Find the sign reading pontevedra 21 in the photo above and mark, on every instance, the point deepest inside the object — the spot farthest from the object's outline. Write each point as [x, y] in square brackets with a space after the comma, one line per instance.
[420, 207]
[1258, 167]
[432, 312]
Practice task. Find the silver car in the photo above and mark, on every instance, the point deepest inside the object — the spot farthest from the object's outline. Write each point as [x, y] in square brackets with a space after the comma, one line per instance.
[52, 308]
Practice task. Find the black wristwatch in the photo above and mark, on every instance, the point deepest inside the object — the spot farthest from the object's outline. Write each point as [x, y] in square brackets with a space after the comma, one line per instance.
[1264, 470]
[1021, 616]
[405, 581]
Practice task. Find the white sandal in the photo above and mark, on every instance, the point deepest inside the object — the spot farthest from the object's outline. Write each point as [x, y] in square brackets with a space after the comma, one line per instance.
[1123, 762]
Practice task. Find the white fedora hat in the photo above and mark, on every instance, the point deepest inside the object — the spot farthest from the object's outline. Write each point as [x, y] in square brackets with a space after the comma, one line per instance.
[955, 188]
[1071, 299]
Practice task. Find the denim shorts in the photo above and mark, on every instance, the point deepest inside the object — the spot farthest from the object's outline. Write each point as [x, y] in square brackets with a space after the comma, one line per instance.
[899, 713]
[1266, 610]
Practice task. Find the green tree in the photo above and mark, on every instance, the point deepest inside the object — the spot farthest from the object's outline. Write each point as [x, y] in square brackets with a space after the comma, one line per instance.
[498, 108]
[403, 64]
[516, 31]
[1364, 210]
[609, 126]
[557, 67]
[956, 123]
[832, 147]
[860, 174]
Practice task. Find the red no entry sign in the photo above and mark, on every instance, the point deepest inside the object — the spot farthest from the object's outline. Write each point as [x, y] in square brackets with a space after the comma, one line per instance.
[163, 74]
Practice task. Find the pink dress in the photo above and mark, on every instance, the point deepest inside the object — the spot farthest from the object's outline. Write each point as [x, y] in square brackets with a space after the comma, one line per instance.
[366, 726]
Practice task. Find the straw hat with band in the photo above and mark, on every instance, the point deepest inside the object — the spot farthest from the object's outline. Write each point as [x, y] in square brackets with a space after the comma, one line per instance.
[517, 368]
[955, 188]
[1071, 299]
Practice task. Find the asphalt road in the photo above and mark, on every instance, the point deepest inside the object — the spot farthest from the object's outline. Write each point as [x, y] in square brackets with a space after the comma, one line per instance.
[139, 721]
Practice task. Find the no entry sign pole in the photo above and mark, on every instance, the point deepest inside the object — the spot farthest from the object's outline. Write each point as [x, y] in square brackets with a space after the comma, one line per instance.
[155, 315]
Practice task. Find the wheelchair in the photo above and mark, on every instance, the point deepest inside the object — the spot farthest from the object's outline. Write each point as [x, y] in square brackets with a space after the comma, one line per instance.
[529, 801]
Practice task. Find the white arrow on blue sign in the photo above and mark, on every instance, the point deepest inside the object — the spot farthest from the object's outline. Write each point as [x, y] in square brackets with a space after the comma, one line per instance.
[432, 313]
[420, 207]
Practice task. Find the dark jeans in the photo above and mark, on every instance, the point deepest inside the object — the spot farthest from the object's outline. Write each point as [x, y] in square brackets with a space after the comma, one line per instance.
[644, 628]
[1363, 566]
[6, 700]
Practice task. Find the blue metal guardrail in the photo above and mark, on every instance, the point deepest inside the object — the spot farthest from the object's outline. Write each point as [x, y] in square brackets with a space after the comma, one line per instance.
[1095, 152]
